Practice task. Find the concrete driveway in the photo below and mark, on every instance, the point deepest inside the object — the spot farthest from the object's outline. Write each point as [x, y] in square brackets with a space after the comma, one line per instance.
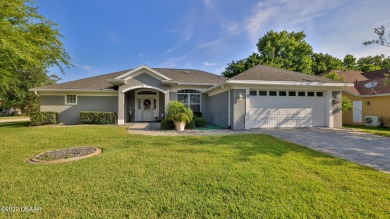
[362, 148]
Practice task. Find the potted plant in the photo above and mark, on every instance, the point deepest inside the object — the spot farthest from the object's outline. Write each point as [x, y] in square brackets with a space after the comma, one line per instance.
[178, 113]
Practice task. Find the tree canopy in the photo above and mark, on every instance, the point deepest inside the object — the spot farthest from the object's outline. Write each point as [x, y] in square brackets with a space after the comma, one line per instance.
[289, 50]
[29, 44]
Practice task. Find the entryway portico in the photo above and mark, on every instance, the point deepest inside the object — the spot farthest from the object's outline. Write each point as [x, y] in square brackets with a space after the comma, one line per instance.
[141, 95]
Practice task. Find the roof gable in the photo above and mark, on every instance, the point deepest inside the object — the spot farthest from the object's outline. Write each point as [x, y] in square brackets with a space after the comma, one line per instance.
[266, 73]
[142, 69]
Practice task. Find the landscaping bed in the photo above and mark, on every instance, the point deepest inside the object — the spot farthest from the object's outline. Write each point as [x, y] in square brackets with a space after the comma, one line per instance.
[65, 155]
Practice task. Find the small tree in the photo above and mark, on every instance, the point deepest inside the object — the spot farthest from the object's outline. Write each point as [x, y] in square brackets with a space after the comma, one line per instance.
[383, 41]
[334, 76]
[346, 104]
[178, 112]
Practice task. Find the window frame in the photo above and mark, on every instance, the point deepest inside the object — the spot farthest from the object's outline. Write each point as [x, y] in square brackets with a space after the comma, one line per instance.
[190, 92]
[68, 103]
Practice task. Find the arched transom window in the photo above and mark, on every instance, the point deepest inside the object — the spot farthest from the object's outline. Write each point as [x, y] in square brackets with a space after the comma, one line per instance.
[190, 98]
[146, 92]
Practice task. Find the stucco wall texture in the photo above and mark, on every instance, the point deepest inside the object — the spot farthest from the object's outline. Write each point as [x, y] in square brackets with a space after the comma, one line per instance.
[371, 106]
[70, 114]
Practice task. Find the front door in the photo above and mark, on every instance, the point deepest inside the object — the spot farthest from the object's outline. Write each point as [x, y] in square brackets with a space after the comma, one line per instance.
[357, 111]
[147, 106]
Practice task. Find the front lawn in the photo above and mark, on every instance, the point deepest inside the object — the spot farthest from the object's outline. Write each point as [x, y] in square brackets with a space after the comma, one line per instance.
[237, 176]
[383, 131]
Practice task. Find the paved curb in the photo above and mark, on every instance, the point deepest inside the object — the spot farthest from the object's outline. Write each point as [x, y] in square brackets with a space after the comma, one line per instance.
[37, 161]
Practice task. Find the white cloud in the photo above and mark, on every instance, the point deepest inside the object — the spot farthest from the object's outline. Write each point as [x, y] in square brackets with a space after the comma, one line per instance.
[83, 67]
[209, 4]
[208, 44]
[173, 62]
[286, 14]
[208, 64]
[185, 33]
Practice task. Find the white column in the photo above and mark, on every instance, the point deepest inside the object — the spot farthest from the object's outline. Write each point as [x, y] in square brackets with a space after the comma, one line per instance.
[247, 110]
[166, 98]
[121, 108]
[328, 109]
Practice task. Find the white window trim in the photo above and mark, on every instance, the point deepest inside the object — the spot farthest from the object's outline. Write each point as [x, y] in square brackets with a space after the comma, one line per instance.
[288, 93]
[189, 100]
[66, 99]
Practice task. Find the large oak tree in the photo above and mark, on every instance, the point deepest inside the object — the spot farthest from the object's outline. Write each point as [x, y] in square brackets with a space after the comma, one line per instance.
[29, 44]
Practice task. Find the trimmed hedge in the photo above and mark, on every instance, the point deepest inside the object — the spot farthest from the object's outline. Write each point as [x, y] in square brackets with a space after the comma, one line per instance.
[43, 118]
[98, 118]
[167, 125]
[200, 122]
[198, 114]
[191, 125]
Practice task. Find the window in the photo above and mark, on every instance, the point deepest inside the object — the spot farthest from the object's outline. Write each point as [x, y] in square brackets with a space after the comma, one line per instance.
[320, 94]
[282, 93]
[146, 92]
[190, 98]
[273, 93]
[253, 93]
[301, 93]
[262, 93]
[292, 93]
[310, 94]
[71, 100]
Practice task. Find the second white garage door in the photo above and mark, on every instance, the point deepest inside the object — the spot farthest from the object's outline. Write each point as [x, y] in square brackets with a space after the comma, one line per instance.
[287, 111]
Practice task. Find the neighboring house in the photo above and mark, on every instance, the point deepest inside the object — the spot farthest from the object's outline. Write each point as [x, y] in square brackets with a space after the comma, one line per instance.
[259, 97]
[370, 97]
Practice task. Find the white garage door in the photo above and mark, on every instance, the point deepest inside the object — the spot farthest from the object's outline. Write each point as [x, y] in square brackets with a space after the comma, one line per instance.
[287, 109]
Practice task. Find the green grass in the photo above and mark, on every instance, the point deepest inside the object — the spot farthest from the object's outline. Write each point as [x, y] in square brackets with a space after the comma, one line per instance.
[382, 131]
[12, 117]
[237, 176]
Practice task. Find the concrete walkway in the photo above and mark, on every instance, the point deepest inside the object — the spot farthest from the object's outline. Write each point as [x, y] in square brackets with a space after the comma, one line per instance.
[358, 147]
[15, 120]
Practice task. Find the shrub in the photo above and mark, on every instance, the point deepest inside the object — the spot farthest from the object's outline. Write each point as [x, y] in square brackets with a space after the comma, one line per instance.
[191, 125]
[346, 104]
[198, 114]
[43, 118]
[98, 117]
[200, 122]
[166, 125]
[177, 112]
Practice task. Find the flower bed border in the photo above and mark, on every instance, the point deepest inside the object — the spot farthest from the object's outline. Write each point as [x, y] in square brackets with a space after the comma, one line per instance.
[34, 160]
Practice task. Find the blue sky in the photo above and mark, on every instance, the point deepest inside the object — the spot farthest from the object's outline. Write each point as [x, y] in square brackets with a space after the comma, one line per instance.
[104, 36]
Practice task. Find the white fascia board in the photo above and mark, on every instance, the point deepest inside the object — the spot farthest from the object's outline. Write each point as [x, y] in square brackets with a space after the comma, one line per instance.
[260, 82]
[140, 68]
[73, 90]
[281, 83]
[185, 83]
[215, 86]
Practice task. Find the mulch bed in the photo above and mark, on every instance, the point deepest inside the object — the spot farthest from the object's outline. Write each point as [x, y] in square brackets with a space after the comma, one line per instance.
[66, 153]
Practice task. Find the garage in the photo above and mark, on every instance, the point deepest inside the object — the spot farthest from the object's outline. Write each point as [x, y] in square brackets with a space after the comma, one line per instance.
[271, 108]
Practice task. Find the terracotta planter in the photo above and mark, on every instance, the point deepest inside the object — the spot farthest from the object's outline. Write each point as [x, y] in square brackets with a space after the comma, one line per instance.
[180, 126]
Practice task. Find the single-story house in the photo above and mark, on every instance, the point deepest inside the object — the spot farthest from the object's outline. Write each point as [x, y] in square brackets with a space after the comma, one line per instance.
[259, 97]
[370, 96]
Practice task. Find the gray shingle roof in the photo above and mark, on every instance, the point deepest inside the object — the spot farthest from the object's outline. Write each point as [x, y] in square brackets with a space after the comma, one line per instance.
[100, 82]
[266, 73]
